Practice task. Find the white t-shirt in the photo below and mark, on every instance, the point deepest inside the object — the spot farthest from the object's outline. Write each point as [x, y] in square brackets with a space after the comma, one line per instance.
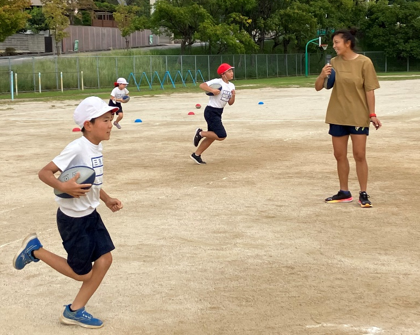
[81, 152]
[220, 100]
[118, 94]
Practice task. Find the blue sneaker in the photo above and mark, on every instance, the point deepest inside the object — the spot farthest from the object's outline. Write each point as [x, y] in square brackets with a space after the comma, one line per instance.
[24, 255]
[80, 318]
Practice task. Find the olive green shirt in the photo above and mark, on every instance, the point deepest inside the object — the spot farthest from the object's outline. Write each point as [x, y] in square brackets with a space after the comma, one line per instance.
[353, 78]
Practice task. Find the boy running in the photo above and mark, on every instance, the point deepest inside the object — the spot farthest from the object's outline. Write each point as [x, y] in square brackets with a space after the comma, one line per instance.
[117, 94]
[85, 237]
[213, 112]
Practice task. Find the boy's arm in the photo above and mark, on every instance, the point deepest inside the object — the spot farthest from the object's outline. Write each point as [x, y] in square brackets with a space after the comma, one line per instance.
[207, 88]
[112, 203]
[232, 98]
[70, 187]
[115, 99]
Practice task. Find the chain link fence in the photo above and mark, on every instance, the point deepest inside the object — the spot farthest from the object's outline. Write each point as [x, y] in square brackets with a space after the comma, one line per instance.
[37, 74]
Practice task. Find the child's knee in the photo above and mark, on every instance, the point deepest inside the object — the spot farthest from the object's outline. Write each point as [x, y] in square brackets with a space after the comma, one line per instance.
[85, 277]
[104, 261]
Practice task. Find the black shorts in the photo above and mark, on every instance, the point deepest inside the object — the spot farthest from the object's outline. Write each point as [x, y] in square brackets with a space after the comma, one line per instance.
[116, 104]
[213, 118]
[339, 130]
[85, 240]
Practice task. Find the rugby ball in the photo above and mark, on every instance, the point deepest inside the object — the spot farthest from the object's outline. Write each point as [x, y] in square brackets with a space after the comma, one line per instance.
[87, 176]
[216, 86]
[330, 80]
[126, 98]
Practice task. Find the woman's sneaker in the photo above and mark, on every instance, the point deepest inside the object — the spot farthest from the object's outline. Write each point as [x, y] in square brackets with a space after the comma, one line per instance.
[80, 318]
[24, 255]
[364, 200]
[341, 196]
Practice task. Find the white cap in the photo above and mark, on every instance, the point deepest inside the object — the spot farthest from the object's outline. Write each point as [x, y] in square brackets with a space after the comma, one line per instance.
[91, 108]
[122, 81]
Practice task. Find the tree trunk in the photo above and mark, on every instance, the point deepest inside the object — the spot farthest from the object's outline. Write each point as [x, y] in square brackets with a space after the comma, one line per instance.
[286, 43]
[183, 43]
[57, 48]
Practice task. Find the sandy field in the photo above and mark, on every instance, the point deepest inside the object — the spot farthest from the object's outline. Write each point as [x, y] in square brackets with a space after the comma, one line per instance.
[242, 245]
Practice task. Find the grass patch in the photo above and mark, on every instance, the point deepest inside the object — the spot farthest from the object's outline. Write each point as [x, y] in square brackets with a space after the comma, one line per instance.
[281, 82]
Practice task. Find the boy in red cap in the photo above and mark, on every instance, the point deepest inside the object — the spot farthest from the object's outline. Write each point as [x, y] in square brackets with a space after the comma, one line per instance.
[214, 109]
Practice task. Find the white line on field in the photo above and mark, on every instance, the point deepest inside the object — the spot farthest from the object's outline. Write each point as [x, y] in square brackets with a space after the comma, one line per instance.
[366, 330]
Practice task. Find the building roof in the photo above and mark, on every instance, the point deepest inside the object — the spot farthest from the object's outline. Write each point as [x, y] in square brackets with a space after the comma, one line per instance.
[36, 3]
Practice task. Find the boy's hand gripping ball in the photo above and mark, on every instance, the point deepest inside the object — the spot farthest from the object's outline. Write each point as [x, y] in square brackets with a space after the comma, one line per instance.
[215, 86]
[87, 176]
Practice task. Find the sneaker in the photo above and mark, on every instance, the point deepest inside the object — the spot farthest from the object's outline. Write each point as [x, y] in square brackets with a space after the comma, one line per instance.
[116, 124]
[197, 136]
[24, 255]
[80, 318]
[197, 158]
[364, 200]
[339, 197]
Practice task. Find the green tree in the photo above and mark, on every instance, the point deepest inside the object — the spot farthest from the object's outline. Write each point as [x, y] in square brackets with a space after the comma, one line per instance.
[394, 28]
[225, 32]
[106, 6]
[74, 8]
[259, 14]
[12, 17]
[143, 5]
[57, 21]
[292, 25]
[37, 21]
[180, 19]
[223, 37]
[129, 20]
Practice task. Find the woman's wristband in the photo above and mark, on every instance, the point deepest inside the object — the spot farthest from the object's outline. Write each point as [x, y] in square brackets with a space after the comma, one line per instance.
[372, 115]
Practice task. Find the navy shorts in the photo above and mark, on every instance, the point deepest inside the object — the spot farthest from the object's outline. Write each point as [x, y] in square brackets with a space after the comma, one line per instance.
[338, 130]
[213, 118]
[117, 104]
[85, 240]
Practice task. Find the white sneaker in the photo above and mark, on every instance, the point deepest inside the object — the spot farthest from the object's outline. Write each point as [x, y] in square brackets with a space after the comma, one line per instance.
[116, 124]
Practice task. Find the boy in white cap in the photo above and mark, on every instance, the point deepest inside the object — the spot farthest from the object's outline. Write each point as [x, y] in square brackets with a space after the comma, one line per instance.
[117, 97]
[85, 237]
[214, 109]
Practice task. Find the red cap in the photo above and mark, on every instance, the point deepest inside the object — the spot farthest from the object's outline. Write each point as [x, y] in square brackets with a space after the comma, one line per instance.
[223, 68]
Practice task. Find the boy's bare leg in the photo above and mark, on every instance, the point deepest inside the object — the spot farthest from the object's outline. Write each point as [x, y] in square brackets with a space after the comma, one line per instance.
[209, 138]
[91, 281]
[119, 117]
[58, 263]
[204, 144]
[89, 286]
[210, 134]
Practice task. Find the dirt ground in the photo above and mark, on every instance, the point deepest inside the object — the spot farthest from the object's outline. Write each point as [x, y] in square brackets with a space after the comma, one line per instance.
[242, 245]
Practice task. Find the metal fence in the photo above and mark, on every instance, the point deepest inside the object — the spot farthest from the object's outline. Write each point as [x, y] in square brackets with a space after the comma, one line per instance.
[78, 72]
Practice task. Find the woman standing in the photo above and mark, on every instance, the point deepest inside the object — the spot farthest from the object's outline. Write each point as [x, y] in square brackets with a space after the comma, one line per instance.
[350, 110]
